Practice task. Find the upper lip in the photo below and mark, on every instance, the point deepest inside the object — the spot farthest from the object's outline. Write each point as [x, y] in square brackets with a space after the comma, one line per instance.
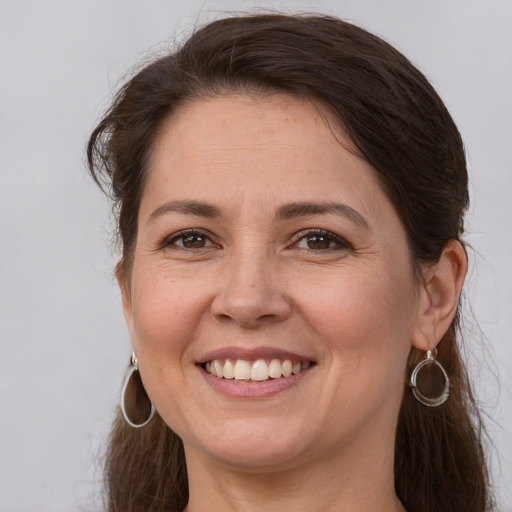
[252, 354]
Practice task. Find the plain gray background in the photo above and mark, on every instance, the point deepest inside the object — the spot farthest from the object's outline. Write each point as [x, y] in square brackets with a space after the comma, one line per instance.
[64, 346]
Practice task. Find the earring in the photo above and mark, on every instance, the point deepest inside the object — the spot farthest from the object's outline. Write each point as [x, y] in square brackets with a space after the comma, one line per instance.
[136, 406]
[429, 381]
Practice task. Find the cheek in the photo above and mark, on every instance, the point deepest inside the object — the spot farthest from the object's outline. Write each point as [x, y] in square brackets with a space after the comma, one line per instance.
[165, 311]
[365, 320]
[363, 302]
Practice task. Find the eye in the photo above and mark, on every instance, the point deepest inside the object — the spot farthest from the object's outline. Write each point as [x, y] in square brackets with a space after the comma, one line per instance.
[320, 240]
[189, 239]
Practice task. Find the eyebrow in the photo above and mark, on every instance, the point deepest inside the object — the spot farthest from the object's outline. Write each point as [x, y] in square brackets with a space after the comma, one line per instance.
[187, 207]
[285, 212]
[303, 209]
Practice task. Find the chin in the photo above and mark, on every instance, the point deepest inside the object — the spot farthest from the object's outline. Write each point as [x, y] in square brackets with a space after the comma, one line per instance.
[252, 445]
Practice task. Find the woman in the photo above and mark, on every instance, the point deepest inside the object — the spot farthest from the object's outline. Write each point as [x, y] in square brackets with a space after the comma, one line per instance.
[290, 192]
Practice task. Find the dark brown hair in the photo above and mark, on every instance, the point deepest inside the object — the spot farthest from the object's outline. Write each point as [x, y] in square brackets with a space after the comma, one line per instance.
[398, 123]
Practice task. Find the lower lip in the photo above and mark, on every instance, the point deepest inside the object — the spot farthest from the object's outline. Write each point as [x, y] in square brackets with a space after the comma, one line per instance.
[252, 389]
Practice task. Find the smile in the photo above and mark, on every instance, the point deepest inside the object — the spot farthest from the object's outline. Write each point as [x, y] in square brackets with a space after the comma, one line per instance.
[258, 370]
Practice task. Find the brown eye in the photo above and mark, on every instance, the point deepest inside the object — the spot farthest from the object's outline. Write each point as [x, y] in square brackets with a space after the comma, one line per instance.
[318, 242]
[195, 241]
[189, 240]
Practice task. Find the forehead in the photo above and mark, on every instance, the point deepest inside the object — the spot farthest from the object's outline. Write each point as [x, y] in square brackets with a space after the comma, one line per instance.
[261, 123]
[275, 146]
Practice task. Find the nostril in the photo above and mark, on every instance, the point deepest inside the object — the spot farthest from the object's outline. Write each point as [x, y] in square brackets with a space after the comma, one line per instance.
[251, 309]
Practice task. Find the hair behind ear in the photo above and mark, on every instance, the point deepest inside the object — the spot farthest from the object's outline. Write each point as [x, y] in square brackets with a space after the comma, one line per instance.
[145, 468]
[439, 450]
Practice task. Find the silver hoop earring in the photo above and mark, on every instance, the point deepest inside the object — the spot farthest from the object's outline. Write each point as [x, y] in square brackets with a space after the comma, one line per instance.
[430, 382]
[136, 406]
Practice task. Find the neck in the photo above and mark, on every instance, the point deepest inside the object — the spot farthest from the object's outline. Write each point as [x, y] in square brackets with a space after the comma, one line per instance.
[360, 481]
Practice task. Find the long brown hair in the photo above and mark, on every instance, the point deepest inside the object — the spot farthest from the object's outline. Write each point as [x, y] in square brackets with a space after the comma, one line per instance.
[398, 124]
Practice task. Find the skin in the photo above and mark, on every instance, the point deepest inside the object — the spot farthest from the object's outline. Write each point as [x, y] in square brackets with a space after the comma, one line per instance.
[347, 300]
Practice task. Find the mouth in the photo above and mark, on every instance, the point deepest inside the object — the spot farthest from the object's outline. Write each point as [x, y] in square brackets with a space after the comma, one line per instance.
[258, 370]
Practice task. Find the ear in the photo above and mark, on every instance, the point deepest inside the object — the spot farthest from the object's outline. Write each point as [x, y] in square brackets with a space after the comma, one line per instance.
[439, 296]
[124, 285]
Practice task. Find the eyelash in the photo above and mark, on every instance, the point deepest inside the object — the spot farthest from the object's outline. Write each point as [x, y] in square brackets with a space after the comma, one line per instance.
[182, 235]
[341, 243]
[298, 237]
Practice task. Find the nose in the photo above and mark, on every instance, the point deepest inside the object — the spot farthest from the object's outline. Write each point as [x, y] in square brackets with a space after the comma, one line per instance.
[252, 292]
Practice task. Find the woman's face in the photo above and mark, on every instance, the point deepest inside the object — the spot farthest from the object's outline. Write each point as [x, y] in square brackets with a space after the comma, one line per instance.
[265, 246]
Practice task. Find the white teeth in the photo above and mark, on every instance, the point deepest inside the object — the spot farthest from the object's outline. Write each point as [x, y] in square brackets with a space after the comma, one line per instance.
[219, 369]
[287, 368]
[259, 370]
[242, 370]
[229, 370]
[256, 371]
[275, 369]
